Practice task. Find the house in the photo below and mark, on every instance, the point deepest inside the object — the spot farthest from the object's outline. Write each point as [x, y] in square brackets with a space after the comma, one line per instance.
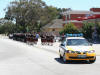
[55, 26]
[72, 16]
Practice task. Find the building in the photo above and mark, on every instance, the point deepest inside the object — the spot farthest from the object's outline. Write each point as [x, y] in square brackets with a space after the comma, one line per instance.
[77, 17]
[93, 19]
[72, 16]
[54, 27]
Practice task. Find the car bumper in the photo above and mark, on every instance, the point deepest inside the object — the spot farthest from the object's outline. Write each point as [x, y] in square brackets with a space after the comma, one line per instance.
[75, 56]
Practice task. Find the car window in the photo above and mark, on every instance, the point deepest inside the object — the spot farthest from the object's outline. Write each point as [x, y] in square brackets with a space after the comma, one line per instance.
[74, 42]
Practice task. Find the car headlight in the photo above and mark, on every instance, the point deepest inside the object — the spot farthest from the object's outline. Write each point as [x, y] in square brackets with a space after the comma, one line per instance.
[92, 51]
[69, 51]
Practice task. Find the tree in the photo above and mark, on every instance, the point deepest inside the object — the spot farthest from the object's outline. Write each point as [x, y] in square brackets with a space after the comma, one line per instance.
[70, 28]
[7, 28]
[98, 29]
[27, 13]
[87, 29]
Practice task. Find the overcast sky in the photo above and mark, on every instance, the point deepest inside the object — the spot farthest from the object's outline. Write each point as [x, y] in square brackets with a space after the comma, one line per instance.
[74, 4]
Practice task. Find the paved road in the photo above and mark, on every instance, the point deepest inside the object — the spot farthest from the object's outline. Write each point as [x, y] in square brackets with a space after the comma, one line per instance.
[21, 59]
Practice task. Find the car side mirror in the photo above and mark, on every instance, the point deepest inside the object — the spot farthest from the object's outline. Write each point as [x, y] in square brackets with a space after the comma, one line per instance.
[62, 44]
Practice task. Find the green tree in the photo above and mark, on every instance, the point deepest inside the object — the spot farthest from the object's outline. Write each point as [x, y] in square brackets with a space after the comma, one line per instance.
[98, 29]
[87, 29]
[27, 13]
[7, 28]
[70, 28]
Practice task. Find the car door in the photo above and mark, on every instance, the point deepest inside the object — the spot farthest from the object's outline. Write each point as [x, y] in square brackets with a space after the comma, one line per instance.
[62, 47]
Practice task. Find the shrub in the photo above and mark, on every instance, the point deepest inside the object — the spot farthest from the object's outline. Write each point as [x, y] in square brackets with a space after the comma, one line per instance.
[70, 28]
[87, 30]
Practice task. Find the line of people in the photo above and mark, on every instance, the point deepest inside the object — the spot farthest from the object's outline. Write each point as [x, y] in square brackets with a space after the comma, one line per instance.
[32, 38]
[47, 39]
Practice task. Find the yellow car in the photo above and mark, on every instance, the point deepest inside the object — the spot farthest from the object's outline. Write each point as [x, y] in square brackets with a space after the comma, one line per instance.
[77, 48]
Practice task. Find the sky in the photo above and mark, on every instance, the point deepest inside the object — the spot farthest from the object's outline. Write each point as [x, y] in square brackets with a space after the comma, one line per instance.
[73, 4]
[3, 5]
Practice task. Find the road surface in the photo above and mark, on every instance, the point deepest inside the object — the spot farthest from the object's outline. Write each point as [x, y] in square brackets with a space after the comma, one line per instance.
[18, 58]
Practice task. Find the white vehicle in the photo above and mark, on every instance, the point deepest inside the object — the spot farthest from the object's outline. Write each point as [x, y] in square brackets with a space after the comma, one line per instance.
[77, 48]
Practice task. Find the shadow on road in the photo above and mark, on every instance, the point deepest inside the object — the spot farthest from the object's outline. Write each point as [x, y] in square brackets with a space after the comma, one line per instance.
[71, 62]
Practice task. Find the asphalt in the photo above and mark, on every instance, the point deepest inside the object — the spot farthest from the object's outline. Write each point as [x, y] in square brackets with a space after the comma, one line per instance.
[17, 58]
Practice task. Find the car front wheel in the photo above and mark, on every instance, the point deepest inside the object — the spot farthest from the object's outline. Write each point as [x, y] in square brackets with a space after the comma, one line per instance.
[92, 61]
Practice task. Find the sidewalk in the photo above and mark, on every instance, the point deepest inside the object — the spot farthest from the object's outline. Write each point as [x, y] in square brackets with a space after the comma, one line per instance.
[97, 49]
[3, 36]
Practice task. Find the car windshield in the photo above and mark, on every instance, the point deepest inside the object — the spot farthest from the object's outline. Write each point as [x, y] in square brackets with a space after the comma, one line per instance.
[75, 42]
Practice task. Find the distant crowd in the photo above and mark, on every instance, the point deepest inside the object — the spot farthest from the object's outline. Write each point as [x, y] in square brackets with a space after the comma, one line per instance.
[32, 38]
